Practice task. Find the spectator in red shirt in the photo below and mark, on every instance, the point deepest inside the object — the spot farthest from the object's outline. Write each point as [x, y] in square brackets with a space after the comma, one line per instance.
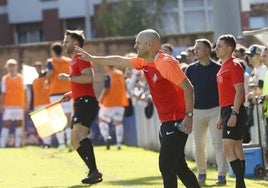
[172, 94]
[230, 80]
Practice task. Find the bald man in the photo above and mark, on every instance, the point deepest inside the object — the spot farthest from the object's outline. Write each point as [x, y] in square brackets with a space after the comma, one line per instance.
[166, 82]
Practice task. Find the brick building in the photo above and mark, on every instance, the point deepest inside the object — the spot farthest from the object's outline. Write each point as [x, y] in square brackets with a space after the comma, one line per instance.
[25, 21]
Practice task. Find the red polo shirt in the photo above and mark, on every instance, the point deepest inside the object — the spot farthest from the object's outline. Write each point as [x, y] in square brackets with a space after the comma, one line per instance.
[230, 73]
[80, 90]
[163, 77]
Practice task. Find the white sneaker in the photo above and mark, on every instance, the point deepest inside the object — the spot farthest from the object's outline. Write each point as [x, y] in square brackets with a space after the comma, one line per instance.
[61, 147]
[69, 146]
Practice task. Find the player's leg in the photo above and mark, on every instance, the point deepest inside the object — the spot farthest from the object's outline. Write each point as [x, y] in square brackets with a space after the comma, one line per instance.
[18, 133]
[68, 109]
[105, 115]
[85, 111]
[119, 128]
[68, 132]
[19, 130]
[47, 142]
[59, 135]
[232, 141]
[172, 158]
[166, 156]
[7, 121]
[241, 123]
[185, 174]
[5, 132]
[216, 139]
[200, 127]
[229, 147]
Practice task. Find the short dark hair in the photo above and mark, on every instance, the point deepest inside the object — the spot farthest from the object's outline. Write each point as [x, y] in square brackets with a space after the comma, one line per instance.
[241, 48]
[213, 54]
[168, 46]
[229, 40]
[57, 48]
[77, 35]
[206, 42]
[190, 49]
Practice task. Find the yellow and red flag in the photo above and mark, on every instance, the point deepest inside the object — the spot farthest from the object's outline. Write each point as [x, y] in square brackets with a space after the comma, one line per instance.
[49, 119]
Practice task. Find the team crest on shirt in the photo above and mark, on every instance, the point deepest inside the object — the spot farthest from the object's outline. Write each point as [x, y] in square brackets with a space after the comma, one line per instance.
[236, 62]
[220, 79]
[155, 78]
[144, 70]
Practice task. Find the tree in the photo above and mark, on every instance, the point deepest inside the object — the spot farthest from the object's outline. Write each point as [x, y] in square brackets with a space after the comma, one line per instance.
[127, 17]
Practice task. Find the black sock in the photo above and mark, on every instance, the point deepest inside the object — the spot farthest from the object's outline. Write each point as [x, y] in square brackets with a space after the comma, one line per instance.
[86, 152]
[243, 164]
[239, 174]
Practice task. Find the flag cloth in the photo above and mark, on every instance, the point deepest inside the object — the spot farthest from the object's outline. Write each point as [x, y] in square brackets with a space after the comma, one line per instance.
[49, 119]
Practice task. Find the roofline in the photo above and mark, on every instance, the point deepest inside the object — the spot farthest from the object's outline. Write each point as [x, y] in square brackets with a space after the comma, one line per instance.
[257, 31]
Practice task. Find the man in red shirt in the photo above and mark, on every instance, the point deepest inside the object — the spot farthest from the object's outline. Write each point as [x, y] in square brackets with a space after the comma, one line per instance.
[230, 80]
[172, 95]
[85, 103]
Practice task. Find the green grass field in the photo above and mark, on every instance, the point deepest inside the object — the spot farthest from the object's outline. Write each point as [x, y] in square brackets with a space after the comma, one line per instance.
[130, 167]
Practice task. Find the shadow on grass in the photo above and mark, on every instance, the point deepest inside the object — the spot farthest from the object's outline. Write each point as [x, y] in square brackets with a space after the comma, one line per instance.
[151, 180]
[73, 186]
[81, 186]
[214, 185]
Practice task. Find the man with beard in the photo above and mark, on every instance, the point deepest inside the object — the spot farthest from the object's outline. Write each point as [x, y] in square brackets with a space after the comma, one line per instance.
[172, 94]
[85, 103]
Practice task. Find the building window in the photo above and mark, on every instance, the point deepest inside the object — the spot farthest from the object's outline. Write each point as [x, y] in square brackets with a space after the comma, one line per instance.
[193, 3]
[28, 33]
[75, 24]
[194, 21]
[198, 20]
[170, 23]
[256, 22]
[184, 16]
[30, 36]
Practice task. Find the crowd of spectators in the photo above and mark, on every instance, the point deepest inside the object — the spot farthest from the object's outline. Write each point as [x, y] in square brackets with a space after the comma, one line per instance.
[251, 57]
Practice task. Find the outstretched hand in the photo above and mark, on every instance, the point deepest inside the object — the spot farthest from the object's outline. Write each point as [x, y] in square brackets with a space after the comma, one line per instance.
[84, 54]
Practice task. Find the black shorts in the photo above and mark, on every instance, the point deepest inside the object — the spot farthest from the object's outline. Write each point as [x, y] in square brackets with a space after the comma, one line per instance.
[236, 132]
[85, 111]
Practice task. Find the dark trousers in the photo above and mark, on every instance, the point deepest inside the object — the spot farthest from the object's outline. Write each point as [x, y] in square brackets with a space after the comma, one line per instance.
[172, 158]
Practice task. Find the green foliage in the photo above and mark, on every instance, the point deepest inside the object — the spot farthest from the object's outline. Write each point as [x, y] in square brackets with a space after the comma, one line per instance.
[127, 17]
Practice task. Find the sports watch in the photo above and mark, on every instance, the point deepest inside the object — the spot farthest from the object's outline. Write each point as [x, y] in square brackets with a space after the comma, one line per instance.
[189, 114]
[234, 113]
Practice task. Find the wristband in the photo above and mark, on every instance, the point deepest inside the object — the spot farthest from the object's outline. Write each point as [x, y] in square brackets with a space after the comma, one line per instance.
[234, 113]
[70, 78]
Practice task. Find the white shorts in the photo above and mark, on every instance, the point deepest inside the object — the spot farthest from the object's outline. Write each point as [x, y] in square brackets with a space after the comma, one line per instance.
[111, 113]
[13, 113]
[66, 106]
